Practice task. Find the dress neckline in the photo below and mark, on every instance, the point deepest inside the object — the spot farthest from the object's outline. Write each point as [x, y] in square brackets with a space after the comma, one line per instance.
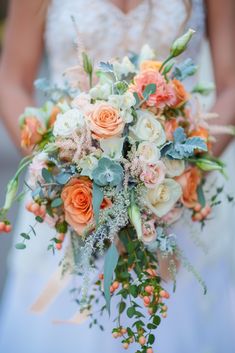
[123, 14]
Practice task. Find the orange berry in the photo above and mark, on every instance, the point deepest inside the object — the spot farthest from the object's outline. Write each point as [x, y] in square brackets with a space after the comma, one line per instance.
[142, 340]
[198, 217]
[111, 289]
[131, 340]
[58, 246]
[101, 276]
[164, 308]
[125, 345]
[148, 289]
[35, 207]
[164, 315]
[61, 236]
[2, 226]
[115, 285]
[115, 334]
[197, 207]
[146, 300]
[28, 206]
[149, 350]
[150, 311]
[42, 210]
[123, 331]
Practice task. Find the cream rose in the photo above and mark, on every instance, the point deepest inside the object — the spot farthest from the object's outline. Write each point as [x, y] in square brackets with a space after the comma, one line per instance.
[68, 122]
[162, 198]
[148, 152]
[148, 128]
[174, 167]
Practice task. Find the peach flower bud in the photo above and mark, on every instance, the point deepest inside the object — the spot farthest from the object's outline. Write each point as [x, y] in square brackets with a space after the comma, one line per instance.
[31, 132]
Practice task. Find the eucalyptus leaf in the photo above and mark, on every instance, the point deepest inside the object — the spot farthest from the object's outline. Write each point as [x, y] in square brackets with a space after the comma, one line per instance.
[110, 263]
[97, 198]
[57, 202]
[201, 196]
[149, 89]
[47, 176]
[20, 246]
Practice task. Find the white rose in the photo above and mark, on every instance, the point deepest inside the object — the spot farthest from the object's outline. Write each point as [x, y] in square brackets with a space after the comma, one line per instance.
[68, 122]
[163, 197]
[148, 128]
[101, 91]
[88, 164]
[124, 67]
[174, 167]
[112, 147]
[148, 152]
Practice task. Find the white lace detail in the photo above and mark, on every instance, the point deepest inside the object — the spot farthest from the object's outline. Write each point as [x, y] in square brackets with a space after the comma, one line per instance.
[106, 32]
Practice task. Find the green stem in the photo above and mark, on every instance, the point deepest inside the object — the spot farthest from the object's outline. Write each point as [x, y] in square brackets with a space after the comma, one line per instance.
[165, 62]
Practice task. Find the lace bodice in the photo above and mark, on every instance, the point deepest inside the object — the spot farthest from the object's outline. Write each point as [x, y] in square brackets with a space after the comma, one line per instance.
[106, 32]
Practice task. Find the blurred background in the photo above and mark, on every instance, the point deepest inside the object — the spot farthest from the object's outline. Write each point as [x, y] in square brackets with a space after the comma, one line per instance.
[9, 158]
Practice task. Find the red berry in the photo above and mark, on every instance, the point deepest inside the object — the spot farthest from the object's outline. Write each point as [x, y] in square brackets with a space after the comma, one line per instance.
[35, 208]
[8, 228]
[2, 226]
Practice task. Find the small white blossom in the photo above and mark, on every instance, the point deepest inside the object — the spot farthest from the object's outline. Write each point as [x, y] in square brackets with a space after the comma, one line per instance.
[68, 122]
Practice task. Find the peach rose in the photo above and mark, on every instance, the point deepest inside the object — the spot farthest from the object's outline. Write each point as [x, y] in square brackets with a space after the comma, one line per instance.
[77, 198]
[105, 121]
[54, 112]
[189, 182]
[31, 132]
[150, 65]
[180, 93]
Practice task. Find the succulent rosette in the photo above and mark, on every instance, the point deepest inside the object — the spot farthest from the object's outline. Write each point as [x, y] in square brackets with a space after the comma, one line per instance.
[112, 169]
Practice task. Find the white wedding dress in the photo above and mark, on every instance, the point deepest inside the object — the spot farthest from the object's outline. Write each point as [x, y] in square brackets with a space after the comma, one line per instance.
[196, 323]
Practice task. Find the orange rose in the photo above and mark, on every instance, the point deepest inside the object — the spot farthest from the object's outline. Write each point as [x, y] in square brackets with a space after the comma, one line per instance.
[77, 198]
[54, 112]
[105, 121]
[189, 182]
[204, 134]
[31, 132]
[180, 93]
[150, 65]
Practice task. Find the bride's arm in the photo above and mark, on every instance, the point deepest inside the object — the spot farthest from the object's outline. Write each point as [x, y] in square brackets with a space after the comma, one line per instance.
[20, 59]
[221, 18]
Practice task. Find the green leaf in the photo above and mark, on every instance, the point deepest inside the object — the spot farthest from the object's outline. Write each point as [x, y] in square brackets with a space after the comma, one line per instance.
[47, 176]
[122, 307]
[156, 320]
[137, 98]
[25, 236]
[97, 198]
[57, 203]
[131, 312]
[39, 219]
[151, 339]
[110, 263]
[134, 291]
[20, 246]
[87, 64]
[201, 196]
[149, 89]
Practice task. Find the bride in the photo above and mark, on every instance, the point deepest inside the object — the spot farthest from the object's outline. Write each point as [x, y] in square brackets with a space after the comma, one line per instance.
[110, 28]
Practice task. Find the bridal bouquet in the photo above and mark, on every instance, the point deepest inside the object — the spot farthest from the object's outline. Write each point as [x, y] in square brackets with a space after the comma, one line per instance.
[111, 170]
